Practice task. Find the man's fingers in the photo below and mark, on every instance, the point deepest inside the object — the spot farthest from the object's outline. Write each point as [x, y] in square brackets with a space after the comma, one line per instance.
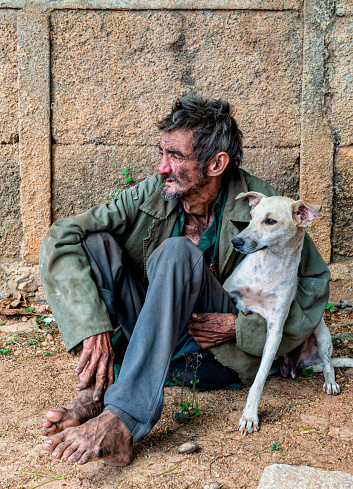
[84, 358]
[100, 383]
[111, 374]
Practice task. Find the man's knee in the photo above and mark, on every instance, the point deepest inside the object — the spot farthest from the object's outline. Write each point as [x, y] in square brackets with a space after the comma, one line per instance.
[180, 250]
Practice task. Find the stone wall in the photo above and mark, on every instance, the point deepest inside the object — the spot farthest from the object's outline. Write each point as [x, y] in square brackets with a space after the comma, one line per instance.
[82, 84]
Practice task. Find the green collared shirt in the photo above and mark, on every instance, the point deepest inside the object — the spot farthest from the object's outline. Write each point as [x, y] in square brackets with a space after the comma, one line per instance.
[209, 240]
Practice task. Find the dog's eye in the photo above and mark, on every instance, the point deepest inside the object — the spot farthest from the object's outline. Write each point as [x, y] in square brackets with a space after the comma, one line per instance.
[271, 222]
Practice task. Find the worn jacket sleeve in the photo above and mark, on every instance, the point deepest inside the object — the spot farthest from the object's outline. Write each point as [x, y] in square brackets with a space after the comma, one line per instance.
[65, 271]
[305, 313]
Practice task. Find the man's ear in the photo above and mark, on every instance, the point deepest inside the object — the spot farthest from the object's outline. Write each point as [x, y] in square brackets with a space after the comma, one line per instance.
[254, 197]
[303, 213]
[217, 164]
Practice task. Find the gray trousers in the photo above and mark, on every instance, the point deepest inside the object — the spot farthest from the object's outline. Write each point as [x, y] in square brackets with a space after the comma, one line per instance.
[154, 321]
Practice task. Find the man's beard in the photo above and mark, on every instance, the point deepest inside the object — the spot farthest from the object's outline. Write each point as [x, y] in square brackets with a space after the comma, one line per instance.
[169, 195]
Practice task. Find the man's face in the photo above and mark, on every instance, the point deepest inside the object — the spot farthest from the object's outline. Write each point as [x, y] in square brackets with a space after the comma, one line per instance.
[178, 165]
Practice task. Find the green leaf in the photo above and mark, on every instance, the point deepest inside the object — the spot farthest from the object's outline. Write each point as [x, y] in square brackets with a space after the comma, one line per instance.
[5, 352]
[308, 372]
[128, 179]
[197, 412]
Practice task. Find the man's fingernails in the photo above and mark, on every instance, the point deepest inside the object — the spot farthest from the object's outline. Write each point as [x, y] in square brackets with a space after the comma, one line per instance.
[194, 315]
[95, 397]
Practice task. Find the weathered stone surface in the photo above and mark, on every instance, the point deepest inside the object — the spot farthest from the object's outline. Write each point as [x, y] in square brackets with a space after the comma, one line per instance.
[279, 167]
[86, 175]
[34, 123]
[341, 283]
[316, 149]
[41, 5]
[10, 214]
[116, 73]
[340, 81]
[344, 7]
[342, 232]
[8, 78]
[287, 477]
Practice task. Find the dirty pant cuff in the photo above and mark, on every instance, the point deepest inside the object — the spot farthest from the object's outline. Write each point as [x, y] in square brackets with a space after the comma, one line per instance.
[130, 422]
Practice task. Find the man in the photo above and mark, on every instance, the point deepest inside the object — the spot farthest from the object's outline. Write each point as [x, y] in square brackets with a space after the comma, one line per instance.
[153, 261]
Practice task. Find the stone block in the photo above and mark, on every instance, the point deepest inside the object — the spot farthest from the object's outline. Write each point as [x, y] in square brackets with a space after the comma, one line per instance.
[86, 175]
[115, 73]
[10, 213]
[279, 167]
[342, 230]
[283, 476]
[339, 68]
[8, 78]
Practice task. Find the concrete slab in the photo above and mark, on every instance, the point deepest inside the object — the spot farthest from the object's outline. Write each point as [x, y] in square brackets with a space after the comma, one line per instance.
[287, 477]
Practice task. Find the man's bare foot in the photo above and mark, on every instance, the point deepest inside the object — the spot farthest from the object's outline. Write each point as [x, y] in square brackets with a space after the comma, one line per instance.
[105, 437]
[78, 412]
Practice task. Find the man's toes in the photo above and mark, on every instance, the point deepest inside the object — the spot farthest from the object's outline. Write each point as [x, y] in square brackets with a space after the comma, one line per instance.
[75, 457]
[70, 450]
[56, 415]
[86, 457]
[62, 448]
[52, 442]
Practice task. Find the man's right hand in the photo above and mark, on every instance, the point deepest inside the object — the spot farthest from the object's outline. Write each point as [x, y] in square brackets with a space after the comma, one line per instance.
[96, 364]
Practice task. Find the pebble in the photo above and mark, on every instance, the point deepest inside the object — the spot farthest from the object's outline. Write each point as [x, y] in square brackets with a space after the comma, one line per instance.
[188, 447]
[212, 485]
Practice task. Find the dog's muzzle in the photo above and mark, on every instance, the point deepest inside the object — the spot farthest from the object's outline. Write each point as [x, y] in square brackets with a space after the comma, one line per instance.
[238, 243]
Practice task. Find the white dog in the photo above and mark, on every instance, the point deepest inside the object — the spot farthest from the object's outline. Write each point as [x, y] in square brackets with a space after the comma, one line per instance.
[265, 282]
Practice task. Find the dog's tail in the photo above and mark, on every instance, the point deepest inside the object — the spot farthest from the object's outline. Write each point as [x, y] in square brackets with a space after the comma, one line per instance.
[336, 362]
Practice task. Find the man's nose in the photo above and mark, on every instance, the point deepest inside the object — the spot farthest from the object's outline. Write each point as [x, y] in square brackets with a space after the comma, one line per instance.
[164, 166]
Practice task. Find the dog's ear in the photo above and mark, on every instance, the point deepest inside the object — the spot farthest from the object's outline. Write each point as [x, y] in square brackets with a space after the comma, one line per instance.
[303, 213]
[254, 197]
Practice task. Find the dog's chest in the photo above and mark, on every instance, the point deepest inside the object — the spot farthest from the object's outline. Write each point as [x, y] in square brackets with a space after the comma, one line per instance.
[258, 288]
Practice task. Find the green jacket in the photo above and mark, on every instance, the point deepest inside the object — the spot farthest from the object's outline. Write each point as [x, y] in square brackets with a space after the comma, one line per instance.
[142, 220]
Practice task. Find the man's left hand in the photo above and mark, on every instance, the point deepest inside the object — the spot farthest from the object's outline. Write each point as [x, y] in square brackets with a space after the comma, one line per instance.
[212, 328]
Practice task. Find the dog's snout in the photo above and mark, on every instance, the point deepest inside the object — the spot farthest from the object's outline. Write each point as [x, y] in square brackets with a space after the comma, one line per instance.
[238, 243]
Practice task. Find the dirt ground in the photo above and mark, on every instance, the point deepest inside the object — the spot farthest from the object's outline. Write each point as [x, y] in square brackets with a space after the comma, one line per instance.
[300, 425]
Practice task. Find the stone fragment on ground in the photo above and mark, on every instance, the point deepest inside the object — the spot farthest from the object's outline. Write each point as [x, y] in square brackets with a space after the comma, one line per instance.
[282, 476]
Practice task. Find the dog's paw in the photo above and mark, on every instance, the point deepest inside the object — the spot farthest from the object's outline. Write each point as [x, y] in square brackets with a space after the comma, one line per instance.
[331, 388]
[248, 423]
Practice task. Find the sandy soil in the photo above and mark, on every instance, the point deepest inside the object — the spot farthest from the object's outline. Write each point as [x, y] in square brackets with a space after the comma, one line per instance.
[305, 425]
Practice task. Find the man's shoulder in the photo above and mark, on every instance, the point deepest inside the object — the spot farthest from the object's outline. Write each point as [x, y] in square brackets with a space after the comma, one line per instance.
[256, 184]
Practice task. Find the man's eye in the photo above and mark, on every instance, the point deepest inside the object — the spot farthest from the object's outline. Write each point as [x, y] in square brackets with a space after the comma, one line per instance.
[271, 222]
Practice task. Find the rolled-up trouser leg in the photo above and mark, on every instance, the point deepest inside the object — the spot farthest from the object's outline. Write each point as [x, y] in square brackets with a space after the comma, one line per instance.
[179, 283]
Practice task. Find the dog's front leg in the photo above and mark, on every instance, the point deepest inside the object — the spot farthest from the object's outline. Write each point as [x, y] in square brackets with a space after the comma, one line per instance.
[249, 420]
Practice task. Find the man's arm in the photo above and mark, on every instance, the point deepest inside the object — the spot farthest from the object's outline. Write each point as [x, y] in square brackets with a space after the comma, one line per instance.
[72, 294]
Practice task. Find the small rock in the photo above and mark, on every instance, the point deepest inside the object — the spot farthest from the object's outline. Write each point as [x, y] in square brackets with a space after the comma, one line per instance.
[41, 309]
[188, 447]
[30, 286]
[212, 485]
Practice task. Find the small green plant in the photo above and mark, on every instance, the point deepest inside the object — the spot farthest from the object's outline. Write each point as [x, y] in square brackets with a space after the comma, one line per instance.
[32, 342]
[330, 307]
[47, 353]
[308, 372]
[5, 352]
[275, 446]
[2, 323]
[188, 407]
[30, 310]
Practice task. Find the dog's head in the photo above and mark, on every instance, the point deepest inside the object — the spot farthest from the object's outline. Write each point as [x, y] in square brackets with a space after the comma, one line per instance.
[276, 222]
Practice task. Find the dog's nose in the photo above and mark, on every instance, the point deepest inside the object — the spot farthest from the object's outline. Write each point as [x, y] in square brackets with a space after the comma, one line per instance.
[238, 243]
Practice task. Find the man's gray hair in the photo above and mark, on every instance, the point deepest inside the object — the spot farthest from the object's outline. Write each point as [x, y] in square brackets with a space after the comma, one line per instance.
[214, 129]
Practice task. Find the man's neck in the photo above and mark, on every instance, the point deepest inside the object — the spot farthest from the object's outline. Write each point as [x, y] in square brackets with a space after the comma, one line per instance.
[200, 203]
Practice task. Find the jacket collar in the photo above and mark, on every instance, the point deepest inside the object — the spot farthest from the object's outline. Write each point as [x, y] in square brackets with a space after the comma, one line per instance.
[156, 206]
